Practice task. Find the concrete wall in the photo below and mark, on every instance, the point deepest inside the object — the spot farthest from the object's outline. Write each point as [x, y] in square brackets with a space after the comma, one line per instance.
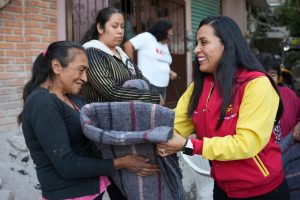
[236, 9]
[189, 34]
[61, 20]
[26, 28]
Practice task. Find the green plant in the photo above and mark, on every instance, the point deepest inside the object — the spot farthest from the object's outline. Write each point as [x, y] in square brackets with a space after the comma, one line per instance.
[289, 15]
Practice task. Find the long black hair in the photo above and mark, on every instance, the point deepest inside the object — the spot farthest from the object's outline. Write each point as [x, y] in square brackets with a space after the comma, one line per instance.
[102, 17]
[160, 29]
[236, 55]
[42, 66]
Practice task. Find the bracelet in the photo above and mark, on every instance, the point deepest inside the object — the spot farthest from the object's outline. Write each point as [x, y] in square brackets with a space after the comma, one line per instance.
[186, 141]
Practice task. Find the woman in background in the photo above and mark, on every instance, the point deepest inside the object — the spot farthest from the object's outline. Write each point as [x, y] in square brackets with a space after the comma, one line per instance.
[287, 131]
[110, 67]
[290, 119]
[154, 57]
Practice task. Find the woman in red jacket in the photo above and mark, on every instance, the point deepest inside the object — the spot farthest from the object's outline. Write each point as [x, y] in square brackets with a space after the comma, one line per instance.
[232, 105]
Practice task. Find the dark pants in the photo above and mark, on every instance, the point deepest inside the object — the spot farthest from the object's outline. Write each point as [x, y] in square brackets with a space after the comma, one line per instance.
[280, 193]
[113, 192]
[162, 91]
[99, 197]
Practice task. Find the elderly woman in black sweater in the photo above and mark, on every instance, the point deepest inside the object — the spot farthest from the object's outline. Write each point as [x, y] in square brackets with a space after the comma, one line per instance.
[65, 163]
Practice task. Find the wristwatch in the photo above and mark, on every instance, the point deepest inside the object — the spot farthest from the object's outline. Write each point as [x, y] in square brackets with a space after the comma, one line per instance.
[188, 147]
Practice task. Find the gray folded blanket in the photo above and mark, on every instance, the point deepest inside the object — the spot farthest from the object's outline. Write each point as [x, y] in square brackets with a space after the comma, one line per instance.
[122, 128]
[139, 84]
[291, 164]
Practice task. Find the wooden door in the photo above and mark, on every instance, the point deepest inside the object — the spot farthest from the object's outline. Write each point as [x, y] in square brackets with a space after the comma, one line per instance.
[80, 15]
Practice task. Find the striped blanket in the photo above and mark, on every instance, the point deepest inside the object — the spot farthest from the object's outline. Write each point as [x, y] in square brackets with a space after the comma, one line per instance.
[122, 128]
[291, 163]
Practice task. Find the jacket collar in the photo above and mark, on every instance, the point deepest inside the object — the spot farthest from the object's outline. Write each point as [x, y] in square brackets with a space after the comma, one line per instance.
[101, 46]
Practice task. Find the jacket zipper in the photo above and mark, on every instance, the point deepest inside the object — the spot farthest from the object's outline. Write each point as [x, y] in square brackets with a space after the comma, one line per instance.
[207, 100]
[261, 166]
[209, 95]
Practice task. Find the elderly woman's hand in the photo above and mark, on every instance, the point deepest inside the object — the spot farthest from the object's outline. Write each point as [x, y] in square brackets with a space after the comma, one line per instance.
[173, 145]
[137, 164]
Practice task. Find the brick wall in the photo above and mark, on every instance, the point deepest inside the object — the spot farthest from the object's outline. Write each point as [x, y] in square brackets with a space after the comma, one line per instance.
[26, 28]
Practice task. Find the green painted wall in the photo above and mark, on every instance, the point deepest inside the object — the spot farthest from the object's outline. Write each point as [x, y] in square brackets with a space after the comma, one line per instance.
[201, 9]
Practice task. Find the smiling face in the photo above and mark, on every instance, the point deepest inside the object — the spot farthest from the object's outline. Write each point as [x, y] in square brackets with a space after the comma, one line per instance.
[71, 78]
[209, 49]
[113, 31]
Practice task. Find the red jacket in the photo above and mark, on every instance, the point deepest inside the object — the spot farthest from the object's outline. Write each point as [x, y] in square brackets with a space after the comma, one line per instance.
[238, 178]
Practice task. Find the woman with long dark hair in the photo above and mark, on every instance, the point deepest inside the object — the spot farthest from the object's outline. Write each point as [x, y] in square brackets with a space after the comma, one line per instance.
[232, 105]
[110, 67]
[66, 164]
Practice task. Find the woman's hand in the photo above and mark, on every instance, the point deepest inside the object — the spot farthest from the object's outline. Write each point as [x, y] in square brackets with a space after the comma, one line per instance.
[296, 132]
[173, 75]
[173, 145]
[192, 136]
[162, 101]
[137, 164]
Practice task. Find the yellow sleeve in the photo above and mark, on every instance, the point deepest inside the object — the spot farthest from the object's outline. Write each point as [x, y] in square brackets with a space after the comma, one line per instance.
[183, 124]
[254, 126]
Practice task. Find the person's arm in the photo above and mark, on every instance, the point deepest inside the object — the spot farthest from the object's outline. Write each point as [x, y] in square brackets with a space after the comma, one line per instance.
[129, 49]
[173, 75]
[296, 132]
[101, 79]
[183, 123]
[296, 129]
[254, 126]
[183, 126]
[260, 101]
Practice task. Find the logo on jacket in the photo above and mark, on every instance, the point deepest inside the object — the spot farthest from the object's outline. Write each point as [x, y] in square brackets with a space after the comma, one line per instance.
[230, 112]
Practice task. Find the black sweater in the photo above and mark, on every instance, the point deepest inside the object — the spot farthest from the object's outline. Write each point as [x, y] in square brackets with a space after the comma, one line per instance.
[65, 164]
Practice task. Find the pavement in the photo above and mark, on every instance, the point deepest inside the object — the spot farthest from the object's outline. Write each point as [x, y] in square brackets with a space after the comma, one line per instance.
[18, 179]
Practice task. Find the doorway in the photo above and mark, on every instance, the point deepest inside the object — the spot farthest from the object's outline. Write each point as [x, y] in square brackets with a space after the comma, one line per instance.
[139, 16]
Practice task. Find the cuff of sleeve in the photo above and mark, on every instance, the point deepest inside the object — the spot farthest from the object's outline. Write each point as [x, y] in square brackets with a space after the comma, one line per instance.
[198, 146]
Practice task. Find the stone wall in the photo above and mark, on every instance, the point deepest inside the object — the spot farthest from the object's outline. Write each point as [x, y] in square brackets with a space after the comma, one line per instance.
[26, 28]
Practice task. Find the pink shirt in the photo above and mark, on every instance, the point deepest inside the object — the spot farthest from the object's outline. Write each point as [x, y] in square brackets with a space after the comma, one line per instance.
[104, 182]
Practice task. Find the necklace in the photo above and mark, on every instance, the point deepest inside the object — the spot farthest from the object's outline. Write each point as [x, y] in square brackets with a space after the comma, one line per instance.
[68, 101]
